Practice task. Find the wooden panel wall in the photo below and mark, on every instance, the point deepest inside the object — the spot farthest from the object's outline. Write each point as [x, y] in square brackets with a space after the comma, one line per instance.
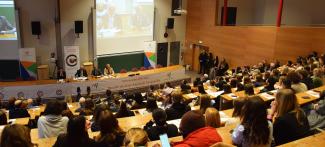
[249, 45]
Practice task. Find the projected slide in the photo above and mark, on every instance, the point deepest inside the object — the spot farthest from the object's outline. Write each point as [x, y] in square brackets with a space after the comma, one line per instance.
[123, 25]
[7, 20]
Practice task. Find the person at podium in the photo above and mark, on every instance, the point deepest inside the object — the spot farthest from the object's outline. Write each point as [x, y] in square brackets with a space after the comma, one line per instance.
[108, 70]
[61, 74]
[81, 72]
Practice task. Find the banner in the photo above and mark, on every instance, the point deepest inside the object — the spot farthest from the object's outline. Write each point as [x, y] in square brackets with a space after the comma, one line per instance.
[71, 60]
[150, 58]
[97, 86]
[28, 67]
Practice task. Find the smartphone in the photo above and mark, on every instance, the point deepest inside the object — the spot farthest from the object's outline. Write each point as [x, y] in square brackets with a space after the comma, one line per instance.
[164, 140]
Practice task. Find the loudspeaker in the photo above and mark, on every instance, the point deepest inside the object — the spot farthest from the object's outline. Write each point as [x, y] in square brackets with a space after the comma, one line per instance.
[78, 27]
[175, 6]
[36, 28]
[170, 23]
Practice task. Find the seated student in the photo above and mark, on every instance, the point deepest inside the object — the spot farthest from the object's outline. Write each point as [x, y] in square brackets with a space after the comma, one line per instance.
[249, 89]
[3, 118]
[177, 109]
[95, 120]
[270, 84]
[82, 101]
[96, 72]
[19, 111]
[111, 102]
[108, 70]
[151, 105]
[111, 134]
[258, 81]
[284, 83]
[316, 116]
[65, 110]
[306, 79]
[11, 103]
[77, 134]
[254, 128]
[89, 108]
[61, 74]
[52, 124]
[16, 136]
[220, 83]
[161, 127]
[290, 122]
[240, 87]
[247, 80]
[81, 72]
[123, 111]
[205, 102]
[236, 114]
[296, 85]
[167, 89]
[197, 82]
[135, 137]
[138, 102]
[223, 104]
[212, 118]
[201, 89]
[317, 77]
[195, 133]
[185, 87]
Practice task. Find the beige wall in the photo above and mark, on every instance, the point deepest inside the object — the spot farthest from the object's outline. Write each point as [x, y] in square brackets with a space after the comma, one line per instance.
[38, 10]
[56, 37]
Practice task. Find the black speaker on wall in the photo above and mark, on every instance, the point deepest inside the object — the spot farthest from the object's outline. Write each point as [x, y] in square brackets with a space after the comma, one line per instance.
[78, 27]
[170, 23]
[36, 28]
[175, 6]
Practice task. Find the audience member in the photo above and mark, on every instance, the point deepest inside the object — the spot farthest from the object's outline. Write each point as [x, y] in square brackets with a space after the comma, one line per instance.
[151, 105]
[123, 111]
[138, 102]
[270, 84]
[111, 134]
[205, 102]
[296, 84]
[254, 128]
[316, 116]
[306, 79]
[194, 131]
[95, 120]
[89, 108]
[249, 89]
[77, 134]
[135, 137]
[65, 110]
[290, 122]
[185, 87]
[82, 101]
[177, 108]
[52, 124]
[3, 118]
[212, 118]
[159, 126]
[238, 105]
[11, 103]
[16, 136]
[19, 111]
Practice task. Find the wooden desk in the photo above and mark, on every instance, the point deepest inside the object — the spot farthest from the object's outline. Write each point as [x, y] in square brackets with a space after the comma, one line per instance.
[50, 88]
[317, 140]
[239, 94]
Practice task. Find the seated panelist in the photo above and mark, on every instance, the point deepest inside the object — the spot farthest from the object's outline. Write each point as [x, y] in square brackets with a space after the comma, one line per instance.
[81, 72]
[96, 72]
[61, 74]
[108, 70]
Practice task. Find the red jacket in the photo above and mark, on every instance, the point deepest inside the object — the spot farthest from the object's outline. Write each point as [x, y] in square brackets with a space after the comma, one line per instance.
[203, 137]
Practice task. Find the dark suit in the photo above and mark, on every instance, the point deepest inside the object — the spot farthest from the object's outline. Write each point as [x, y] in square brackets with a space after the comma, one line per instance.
[96, 72]
[61, 75]
[81, 73]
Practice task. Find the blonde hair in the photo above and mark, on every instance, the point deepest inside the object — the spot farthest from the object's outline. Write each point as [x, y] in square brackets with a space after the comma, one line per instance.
[212, 118]
[135, 137]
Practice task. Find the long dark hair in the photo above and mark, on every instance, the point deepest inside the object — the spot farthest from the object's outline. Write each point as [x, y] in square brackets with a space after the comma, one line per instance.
[76, 131]
[151, 105]
[109, 127]
[254, 120]
[16, 135]
[123, 111]
[3, 118]
[205, 102]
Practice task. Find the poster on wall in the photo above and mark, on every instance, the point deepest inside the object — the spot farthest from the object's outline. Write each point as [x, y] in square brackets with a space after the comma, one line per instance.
[28, 67]
[150, 58]
[71, 60]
